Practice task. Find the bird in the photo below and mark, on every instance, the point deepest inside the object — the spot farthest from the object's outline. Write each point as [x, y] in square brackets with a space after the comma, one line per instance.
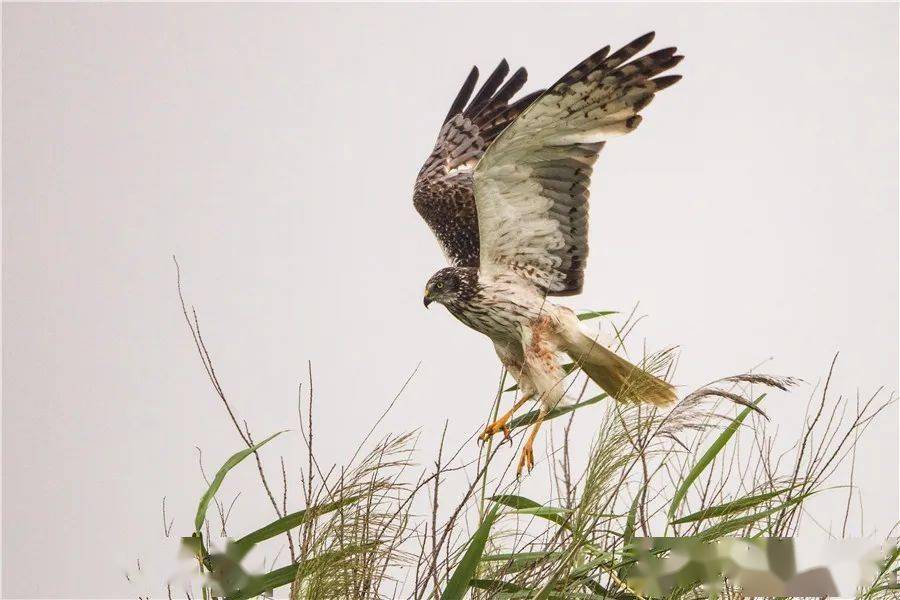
[505, 192]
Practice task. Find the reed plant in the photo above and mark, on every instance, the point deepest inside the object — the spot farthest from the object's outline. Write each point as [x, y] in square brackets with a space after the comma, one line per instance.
[706, 469]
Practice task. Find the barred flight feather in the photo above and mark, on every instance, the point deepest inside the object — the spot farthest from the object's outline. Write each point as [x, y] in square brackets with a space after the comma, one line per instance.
[444, 193]
[532, 183]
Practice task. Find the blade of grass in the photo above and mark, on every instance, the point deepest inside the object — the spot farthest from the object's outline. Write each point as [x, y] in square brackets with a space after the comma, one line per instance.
[459, 581]
[732, 507]
[886, 565]
[732, 525]
[531, 417]
[586, 316]
[631, 520]
[232, 462]
[496, 585]
[529, 594]
[550, 513]
[522, 504]
[288, 522]
[263, 584]
[628, 534]
[708, 457]
[520, 556]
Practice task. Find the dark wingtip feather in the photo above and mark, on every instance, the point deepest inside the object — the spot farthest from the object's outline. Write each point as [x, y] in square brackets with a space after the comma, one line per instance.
[665, 81]
[659, 55]
[633, 47]
[512, 85]
[644, 39]
[674, 61]
[599, 55]
[487, 90]
[465, 92]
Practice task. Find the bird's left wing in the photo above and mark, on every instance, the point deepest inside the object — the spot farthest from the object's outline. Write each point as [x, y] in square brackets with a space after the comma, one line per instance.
[531, 185]
[444, 193]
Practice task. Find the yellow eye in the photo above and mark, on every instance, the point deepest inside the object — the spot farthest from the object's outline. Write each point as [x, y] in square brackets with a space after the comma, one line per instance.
[440, 285]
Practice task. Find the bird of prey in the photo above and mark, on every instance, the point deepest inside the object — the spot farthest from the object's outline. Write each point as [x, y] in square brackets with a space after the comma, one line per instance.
[505, 191]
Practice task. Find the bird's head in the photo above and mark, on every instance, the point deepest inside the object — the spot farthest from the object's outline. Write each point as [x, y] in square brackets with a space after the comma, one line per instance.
[451, 285]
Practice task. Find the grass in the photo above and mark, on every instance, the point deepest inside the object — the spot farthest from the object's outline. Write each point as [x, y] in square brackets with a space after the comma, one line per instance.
[649, 476]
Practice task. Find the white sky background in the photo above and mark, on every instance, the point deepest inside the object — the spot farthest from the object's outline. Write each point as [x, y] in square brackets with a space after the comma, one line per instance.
[273, 149]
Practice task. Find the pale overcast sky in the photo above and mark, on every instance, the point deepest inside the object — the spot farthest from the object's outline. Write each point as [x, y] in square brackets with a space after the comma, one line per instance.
[273, 149]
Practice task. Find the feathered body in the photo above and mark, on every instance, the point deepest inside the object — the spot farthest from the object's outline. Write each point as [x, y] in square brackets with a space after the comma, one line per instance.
[529, 332]
[497, 306]
[503, 306]
[505, 192]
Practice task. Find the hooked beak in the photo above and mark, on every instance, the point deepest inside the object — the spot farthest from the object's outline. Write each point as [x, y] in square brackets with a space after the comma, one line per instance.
[427, 299]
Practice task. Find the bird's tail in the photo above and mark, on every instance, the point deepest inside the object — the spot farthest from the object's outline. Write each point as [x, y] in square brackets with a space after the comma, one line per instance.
[619, 378]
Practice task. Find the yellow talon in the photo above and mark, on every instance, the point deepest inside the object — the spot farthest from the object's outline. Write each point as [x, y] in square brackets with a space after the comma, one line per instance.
[494, 428]
[500, 424]
[526, 460]
[527, 457]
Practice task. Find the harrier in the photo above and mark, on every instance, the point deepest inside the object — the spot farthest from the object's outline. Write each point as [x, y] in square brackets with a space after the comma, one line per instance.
[505, 192]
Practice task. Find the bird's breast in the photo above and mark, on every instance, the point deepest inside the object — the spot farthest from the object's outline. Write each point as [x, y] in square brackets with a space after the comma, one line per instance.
[499, 309]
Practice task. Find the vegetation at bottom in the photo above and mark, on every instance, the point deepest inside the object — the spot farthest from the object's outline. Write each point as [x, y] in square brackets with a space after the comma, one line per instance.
[381, 526]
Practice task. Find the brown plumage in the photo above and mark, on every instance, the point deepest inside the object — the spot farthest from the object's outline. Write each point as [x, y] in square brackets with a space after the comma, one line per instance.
[505, 191]
[444, 193]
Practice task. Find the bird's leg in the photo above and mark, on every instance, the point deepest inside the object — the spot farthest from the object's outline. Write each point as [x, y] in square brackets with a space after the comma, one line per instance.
[527, 458]
[500, 424]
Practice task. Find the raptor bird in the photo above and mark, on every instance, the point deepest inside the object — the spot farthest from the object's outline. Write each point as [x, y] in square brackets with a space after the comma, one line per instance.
[505, 192]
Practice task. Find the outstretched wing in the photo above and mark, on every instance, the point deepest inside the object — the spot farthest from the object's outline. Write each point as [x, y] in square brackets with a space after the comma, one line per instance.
[444, 193]
[531, 186]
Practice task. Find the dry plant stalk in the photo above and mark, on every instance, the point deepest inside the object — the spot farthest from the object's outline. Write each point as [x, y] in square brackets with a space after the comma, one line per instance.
[578, 543]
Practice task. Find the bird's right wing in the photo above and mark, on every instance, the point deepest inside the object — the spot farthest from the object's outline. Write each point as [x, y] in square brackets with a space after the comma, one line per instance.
[531, 185]
[444, 193]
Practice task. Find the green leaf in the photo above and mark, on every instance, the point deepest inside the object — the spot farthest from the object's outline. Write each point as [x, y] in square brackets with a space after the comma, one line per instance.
[194, 546]
[524, 505]
[513, 501]
[531, 417]
[520, 556]
[465, 570]
[586, 316]
[584, 570]
[628, 534]
[288, 522]
[732, 507]
[496, 585]
[631, 520]
[708, 457]
[547, 512]
[548, 594]
[885, 567]
[220, 477]
[732, 525]
[261, 584]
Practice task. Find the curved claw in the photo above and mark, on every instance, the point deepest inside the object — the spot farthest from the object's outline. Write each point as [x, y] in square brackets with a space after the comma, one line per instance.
[501, 423]
[493, 429]
[526, 460]
[484, 437]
